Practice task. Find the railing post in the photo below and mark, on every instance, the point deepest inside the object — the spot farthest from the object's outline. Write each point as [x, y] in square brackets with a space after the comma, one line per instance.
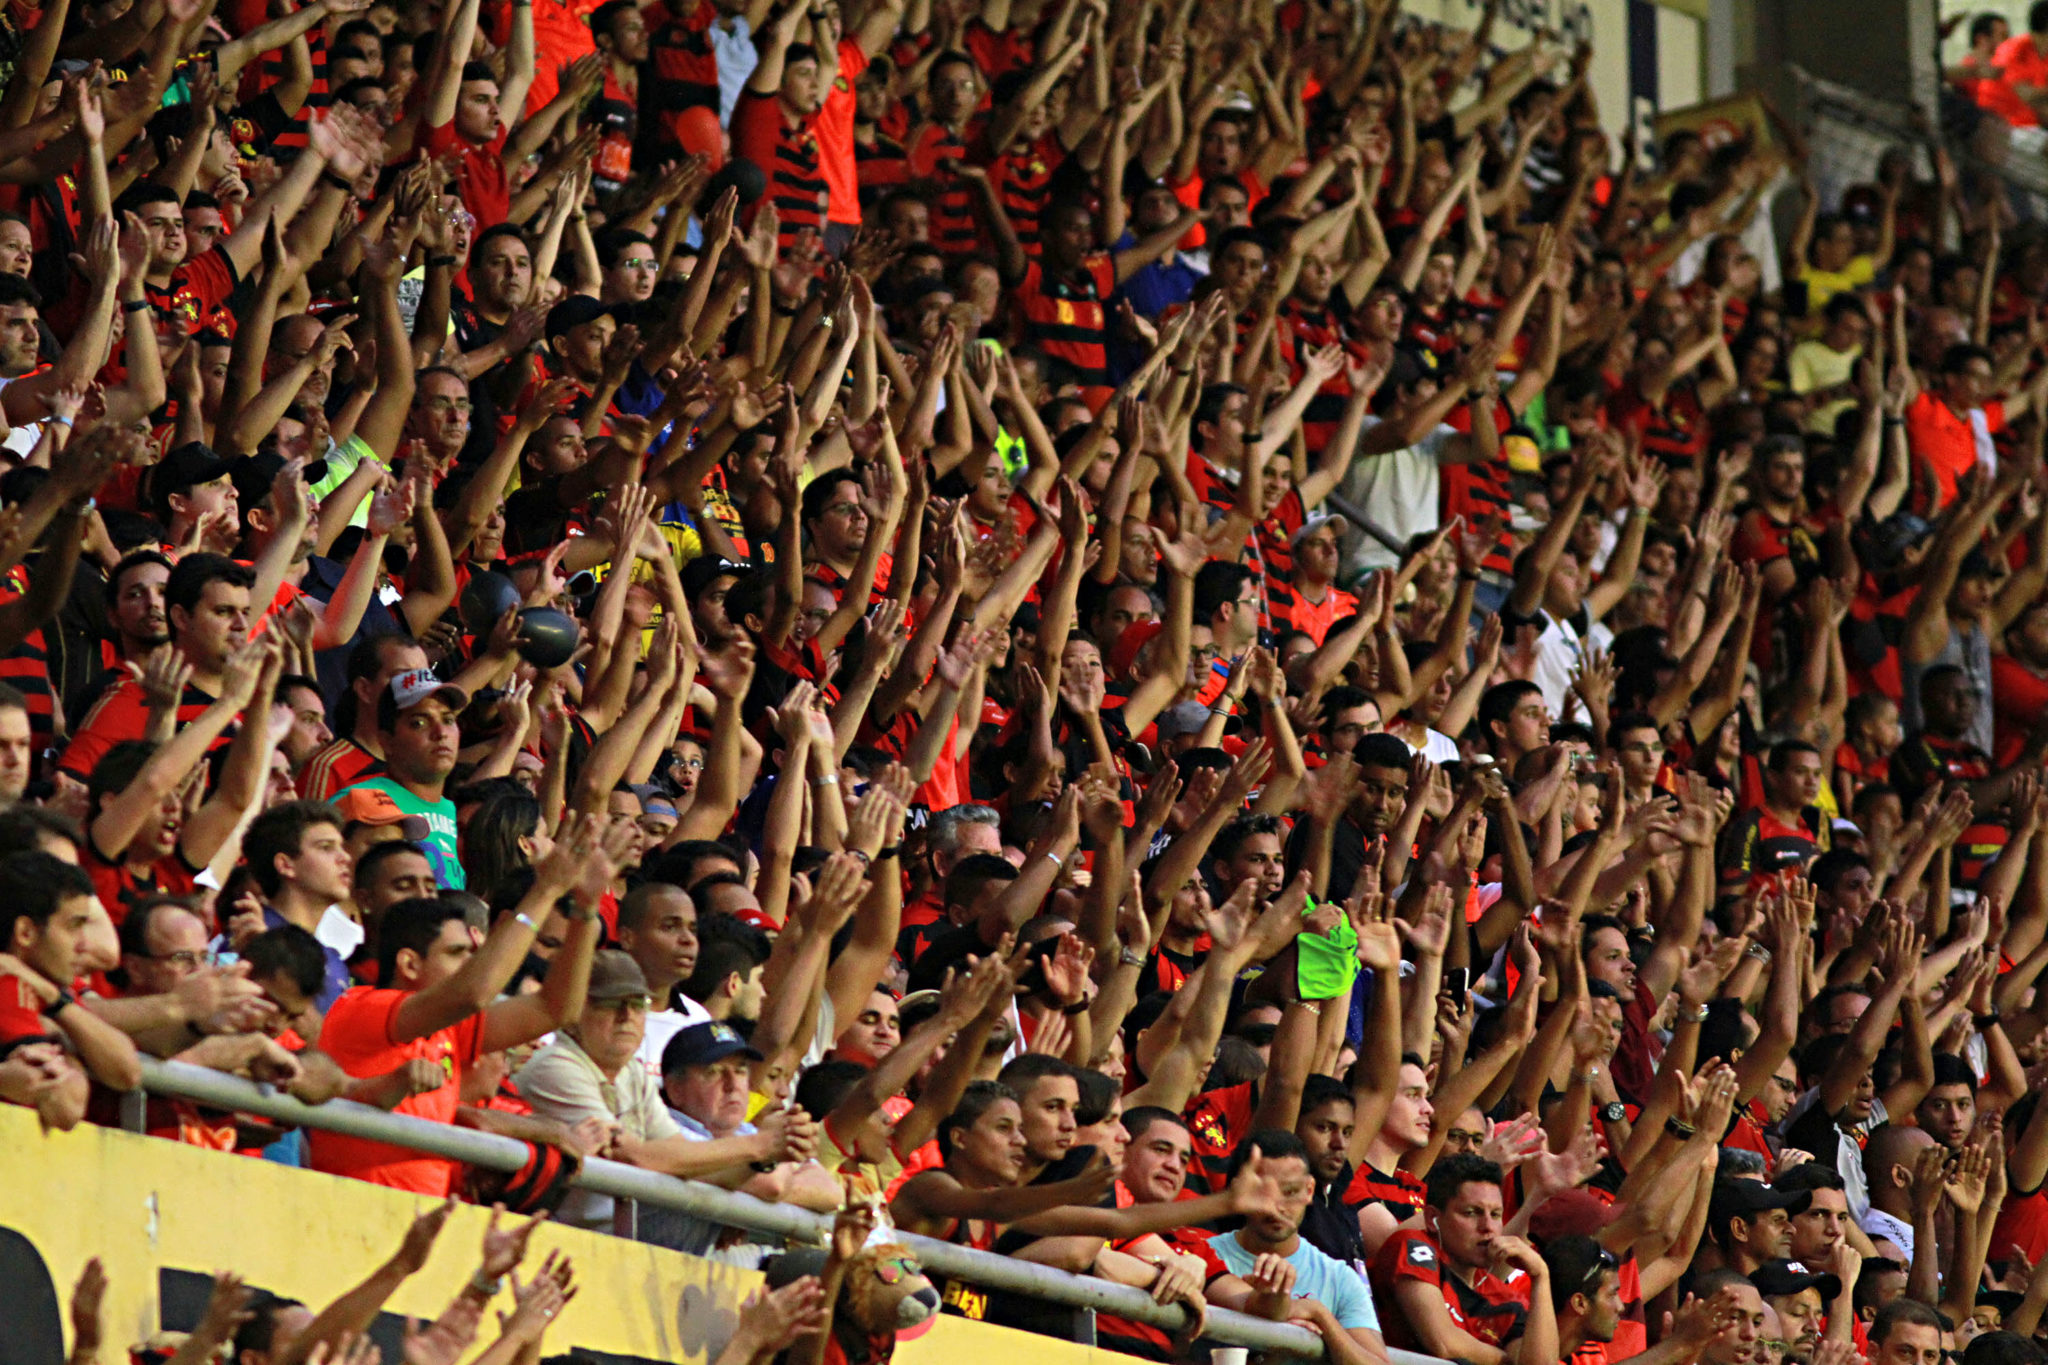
[1084, 1326]
[135, 1110]
[626, 1219]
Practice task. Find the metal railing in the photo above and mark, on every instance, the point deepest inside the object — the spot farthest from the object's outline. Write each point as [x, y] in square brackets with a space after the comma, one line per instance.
[986, 1269]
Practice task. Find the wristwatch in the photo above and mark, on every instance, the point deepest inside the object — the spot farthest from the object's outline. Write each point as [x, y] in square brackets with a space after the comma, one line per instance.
[64, 997]
[1613, 1112]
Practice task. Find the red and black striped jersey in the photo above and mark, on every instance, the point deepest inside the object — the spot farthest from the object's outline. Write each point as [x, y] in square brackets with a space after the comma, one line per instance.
[1022, 181]
[1068, 316]
[955, 229]
[788, 156]
[681, 72]
[26, 667]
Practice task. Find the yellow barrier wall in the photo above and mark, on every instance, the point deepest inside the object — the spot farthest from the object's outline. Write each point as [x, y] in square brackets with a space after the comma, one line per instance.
[144, 1205]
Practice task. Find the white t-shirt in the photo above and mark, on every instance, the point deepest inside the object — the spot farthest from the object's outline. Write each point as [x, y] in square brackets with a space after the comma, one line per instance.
[1399, 492]
[663, 1025]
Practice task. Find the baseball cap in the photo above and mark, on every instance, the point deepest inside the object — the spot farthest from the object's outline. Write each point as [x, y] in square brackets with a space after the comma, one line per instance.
[614, 975]
[185, 468]
[1123, 655]
[1187, 718]
[1748, 1198]
[1333, 520]
[703, 1044]
[1570, 1213]
[254, 474]
[416, 685]
[1780, 1279]
[370, 806]
[574, 311]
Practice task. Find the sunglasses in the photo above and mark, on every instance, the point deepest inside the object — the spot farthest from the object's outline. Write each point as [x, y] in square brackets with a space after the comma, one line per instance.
[1599, 1267]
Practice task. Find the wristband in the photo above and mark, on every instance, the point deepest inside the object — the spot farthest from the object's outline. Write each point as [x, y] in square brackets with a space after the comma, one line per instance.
[448, 261]
[1988, 1020]
[828, 780]
[134, 305]
[1464, 577]
[62, 420]
[1078, 1007]
[526, 920]
[487, 1288]
[1679, 1129]
[64, 998]
[337, 182]
[883, 855]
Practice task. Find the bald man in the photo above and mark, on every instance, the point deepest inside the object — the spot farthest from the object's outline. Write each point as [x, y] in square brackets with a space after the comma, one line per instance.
[1888, 1161]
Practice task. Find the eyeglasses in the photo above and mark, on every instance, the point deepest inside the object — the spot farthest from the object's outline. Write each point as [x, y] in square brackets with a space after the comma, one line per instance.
[1460, 1135]
[186, 960]
[625, 1004]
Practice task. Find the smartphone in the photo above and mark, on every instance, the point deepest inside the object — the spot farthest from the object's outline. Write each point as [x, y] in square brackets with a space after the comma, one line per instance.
[1458, 981]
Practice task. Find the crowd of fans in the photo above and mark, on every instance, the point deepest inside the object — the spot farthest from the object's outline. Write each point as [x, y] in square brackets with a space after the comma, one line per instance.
[1214, 646]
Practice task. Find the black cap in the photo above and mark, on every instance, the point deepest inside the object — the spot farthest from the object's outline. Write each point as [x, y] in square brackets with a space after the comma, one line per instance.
[1748, 1198]
[254, 474]
[185, 468]
[703, 1044]
[575, 311]
[1781, 1279]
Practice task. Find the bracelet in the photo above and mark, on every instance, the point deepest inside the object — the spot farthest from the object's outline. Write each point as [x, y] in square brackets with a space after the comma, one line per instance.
[448, 260]
[487, 1288]
[1894, 422]
[1679, 1129]
[61, 419]
[135, 305]
[526, 920]
[865, 860]
[1698, 1016]
[1130, 958]
[1464, 577]
[1985, 1021]
[1758, 951]
[1313, 1006]
[1057, 860]
[576, 914]
[1078, 1007]
[828, 780]
[345, 186]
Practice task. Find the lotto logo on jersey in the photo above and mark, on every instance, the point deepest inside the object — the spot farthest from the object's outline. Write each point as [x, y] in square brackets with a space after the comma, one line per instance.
[1421, 1253]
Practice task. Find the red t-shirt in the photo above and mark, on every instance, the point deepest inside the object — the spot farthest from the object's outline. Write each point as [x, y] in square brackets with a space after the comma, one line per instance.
[479, 174]
[1945, 442]
[2019, 698]
[357, 1034]
[834, 125]
[2018, 60]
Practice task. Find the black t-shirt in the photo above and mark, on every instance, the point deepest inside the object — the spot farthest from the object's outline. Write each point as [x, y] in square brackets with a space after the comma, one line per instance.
[1037, 1315]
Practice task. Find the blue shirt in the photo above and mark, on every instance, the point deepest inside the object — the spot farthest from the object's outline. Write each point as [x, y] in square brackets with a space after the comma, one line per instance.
[1316, 1276]
[1154, 288]
[334, 977]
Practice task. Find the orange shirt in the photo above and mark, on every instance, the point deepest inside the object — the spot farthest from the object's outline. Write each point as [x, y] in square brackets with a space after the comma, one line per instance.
[1945, 442]
[2020, 61]
[357, 1034]
[835, 136]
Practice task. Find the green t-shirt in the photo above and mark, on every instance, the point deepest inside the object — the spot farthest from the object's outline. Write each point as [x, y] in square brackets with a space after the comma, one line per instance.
[440, 818]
